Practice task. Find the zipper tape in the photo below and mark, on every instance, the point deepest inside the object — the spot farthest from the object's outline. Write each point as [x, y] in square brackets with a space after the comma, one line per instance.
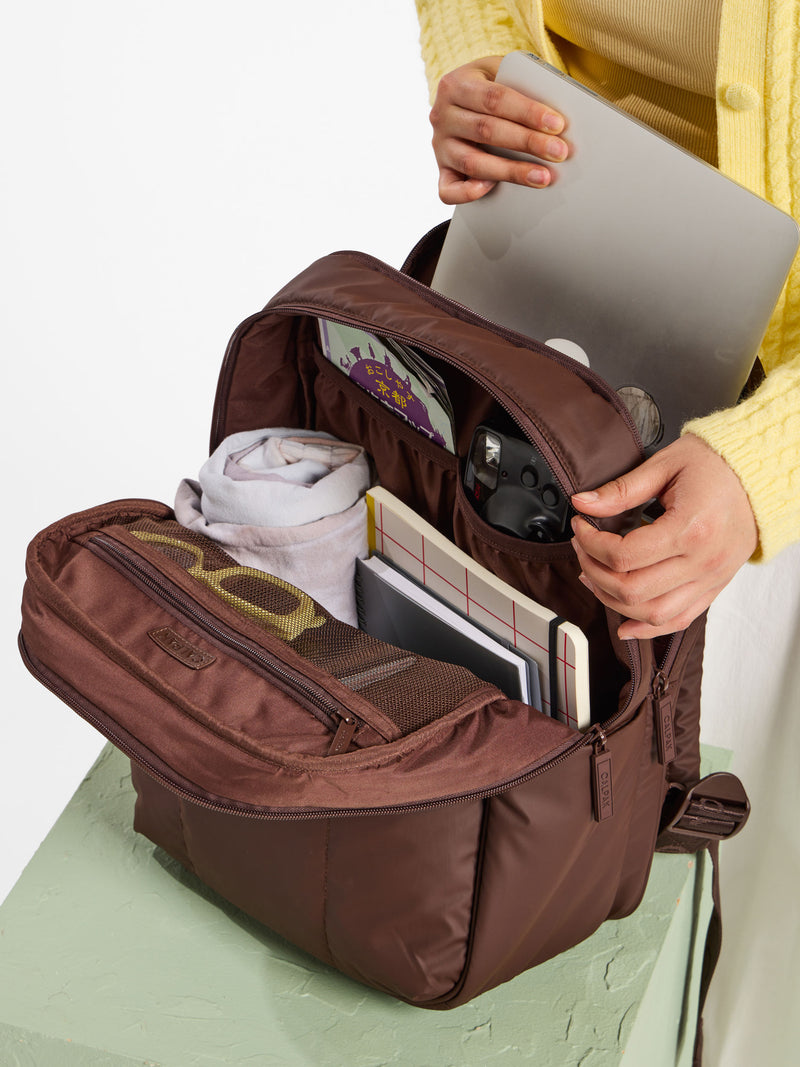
[442, 303]
[158, 587]
[185, 790]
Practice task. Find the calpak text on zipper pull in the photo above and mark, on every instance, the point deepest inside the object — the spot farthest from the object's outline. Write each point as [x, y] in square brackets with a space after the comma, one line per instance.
[344, 735]
[602, 782]
[663, 707]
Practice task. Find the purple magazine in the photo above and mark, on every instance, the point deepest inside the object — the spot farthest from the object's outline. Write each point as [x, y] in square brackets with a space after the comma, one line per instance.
[414, 393]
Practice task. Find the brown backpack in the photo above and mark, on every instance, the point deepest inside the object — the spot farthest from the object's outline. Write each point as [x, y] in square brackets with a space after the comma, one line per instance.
[394, 816]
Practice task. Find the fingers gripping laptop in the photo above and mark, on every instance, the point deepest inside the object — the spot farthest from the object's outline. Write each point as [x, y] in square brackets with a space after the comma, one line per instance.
[639, 259]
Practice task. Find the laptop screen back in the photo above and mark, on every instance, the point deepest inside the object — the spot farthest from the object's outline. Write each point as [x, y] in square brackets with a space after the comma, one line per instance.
[659, 269]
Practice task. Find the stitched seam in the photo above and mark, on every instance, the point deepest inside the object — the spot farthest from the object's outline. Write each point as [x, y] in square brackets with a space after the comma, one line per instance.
[324, 917]
[184, 841]
[480, 857]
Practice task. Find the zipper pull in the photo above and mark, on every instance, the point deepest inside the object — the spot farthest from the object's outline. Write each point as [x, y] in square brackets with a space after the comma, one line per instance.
[602, 785]
[663, 706]
[343, 736]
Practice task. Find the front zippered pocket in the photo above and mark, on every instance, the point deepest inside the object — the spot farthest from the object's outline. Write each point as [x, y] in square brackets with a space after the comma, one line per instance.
[337, 718]
[95, 595]
[360, 690]
[86, 710]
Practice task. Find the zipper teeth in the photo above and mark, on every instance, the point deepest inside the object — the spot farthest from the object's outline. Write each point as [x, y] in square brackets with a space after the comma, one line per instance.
[446, 304]
[668, 658]
[187, 607]
[515, 413]
[82, 708]
[634, 660]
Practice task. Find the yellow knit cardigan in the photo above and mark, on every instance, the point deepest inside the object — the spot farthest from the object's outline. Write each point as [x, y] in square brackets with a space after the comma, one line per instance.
[758, 130]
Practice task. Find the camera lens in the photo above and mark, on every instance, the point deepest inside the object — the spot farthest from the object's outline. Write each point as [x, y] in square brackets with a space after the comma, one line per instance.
[486, 459]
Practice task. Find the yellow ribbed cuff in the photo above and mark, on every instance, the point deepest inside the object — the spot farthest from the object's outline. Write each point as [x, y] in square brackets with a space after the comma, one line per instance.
[760, 441]
[452, 34]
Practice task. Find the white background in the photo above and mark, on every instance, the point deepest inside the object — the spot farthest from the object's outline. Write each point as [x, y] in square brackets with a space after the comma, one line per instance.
[166, 167]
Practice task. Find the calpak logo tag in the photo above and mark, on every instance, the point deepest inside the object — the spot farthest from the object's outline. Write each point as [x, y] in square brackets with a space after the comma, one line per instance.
[602, 787]
[181, 649]
[665, 729]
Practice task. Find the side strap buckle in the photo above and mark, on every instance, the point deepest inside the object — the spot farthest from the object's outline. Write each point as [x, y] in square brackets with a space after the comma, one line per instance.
[713, 810]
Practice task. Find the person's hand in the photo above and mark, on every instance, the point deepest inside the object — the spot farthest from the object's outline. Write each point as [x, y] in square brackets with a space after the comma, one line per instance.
[662, 576]
[471, 110]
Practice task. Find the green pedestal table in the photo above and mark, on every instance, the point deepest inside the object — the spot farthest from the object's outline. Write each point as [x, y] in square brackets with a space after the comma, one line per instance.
[111, 955]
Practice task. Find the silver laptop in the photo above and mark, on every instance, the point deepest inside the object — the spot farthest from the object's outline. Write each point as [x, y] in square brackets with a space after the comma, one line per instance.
[638, 259]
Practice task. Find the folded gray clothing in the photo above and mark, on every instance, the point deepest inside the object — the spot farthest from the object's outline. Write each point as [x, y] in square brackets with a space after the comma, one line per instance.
[289, 502]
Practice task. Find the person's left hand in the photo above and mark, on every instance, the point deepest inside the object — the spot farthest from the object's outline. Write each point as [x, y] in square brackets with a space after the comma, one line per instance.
[662, 576]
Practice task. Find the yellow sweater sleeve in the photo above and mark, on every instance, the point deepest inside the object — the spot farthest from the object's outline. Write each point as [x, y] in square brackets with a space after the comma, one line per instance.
[452, 34]
[760, 441]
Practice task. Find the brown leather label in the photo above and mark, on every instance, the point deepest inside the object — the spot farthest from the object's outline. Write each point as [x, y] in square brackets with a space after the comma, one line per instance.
[181, 649]
[602, 787]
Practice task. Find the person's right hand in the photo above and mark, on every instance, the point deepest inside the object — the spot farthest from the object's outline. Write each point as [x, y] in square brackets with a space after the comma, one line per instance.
[471, 110]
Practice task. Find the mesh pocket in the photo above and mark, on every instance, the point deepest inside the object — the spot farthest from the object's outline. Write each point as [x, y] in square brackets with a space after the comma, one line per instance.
[410, 690]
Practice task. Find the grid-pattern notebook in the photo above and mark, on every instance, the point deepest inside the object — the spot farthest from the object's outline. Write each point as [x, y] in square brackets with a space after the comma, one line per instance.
[402, 536]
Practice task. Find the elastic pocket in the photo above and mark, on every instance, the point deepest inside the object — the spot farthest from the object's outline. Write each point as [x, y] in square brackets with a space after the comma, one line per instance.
[548, 573]
[418, 471]
[542, 571]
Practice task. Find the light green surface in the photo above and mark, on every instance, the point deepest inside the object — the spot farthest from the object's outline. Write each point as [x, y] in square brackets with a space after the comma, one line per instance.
[665, 1018]
[111, 955]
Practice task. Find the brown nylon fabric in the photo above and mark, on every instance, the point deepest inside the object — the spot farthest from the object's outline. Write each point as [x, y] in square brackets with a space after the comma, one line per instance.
[410, 690]
[454, 842]
[411, 467]
[544, 828]
[89, 625]
[587, 434]
[524, 875]
[549, 574]
[381, 923]
[685, 768]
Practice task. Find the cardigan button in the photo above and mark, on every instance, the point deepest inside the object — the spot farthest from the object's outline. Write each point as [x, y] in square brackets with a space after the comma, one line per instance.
[741, 97]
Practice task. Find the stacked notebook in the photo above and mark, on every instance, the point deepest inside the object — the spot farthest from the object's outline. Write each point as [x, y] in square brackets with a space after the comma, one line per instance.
[418, 582]
[395, 608]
